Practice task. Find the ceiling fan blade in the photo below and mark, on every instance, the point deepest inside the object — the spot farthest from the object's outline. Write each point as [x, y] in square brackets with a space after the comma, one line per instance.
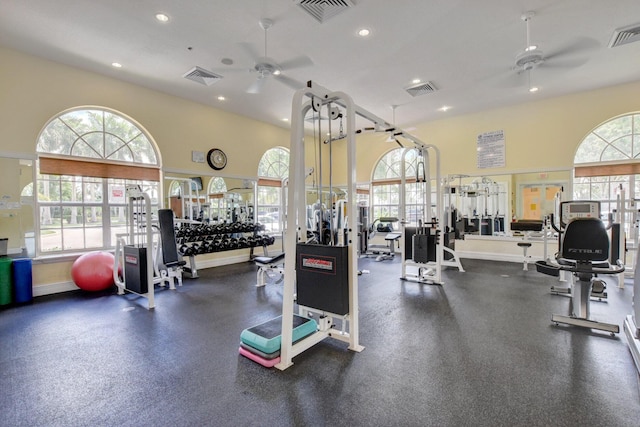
[257, 85]
[564, 63]
[252, 53]
[579, 45]
[513, 79]
[298, 62]
[288, 81]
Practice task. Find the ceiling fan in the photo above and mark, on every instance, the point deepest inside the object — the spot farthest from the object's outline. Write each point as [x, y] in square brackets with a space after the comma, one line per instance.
[266, 67]
[532, 57]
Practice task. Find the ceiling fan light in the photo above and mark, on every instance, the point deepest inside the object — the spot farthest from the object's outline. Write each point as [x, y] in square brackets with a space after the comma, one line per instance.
[531, 48]
[534, 89]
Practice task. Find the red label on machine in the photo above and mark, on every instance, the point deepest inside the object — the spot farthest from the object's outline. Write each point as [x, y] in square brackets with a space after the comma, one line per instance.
[320, 264]
[317, 263]
[131, 259]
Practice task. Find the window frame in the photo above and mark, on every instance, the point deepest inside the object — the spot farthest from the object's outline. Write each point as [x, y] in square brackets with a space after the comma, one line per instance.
[270, 198]
[93, 166]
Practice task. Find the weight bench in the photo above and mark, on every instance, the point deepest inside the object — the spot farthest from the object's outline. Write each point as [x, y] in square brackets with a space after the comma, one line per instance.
[388, 251]
[267, 266]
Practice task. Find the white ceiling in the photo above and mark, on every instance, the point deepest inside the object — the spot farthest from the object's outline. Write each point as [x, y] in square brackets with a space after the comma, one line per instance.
[467, 48]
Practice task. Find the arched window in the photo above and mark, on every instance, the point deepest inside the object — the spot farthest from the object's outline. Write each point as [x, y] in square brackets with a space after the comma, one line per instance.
[272, 169]
[216, 185]
[175, 189]
[216, 189]
[608, 161]
[86, 158]
[386, 183]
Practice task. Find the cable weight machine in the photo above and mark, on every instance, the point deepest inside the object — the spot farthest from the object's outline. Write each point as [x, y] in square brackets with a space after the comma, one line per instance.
[429, 246]
[134, 256]
[139, 252]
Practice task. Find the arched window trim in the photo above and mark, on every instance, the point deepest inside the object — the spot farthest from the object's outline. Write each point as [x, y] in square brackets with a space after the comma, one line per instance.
[601, 180]
[268, 166]
[216, 185]
[393, 175]
[100, 158]
[386, 188]
[599, 167]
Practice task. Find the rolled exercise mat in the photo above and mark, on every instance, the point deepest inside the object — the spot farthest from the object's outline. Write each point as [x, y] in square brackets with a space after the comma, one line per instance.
[5, 280]
[22, 281]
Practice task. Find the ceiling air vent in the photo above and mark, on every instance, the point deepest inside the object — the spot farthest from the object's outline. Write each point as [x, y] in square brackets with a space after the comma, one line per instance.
[202, 76]
[625, 35]
[421, 89]
[321, 10]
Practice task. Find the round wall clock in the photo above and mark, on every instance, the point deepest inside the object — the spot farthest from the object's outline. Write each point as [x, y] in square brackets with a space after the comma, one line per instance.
[216, 159]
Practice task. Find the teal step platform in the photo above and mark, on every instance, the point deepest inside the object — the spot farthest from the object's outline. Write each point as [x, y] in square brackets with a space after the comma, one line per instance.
[265, 337]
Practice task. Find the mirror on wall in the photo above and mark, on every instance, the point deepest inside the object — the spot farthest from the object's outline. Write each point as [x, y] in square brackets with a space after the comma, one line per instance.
[486, 205]
[16, 207]
[210, 199]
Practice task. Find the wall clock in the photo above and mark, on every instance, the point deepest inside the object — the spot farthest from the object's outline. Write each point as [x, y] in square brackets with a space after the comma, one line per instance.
[216, 159]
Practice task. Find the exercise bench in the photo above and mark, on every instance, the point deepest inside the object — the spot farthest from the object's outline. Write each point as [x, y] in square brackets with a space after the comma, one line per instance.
[267, 265]
[172, 265]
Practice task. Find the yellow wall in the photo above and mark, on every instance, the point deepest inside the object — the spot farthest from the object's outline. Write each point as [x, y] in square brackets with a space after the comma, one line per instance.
[34, 90]
[541, 135]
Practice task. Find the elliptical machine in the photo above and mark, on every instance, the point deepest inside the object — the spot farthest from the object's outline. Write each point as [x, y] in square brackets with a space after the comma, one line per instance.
[584, 251]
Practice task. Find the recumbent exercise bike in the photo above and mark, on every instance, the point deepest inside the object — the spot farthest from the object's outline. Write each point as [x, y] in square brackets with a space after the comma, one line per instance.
[584, 252]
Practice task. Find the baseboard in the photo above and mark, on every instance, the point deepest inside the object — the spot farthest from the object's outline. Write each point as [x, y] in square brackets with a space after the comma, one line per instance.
[488, 256]
[54, 288]
[217, 262]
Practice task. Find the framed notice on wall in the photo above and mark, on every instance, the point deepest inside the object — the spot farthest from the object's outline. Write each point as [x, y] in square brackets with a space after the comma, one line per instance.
[491, 150]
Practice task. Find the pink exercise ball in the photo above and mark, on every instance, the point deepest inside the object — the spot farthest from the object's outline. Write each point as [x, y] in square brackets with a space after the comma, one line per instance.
[93, 271]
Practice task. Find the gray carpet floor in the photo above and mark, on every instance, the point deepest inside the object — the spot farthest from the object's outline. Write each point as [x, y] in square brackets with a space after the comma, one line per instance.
[478, 351]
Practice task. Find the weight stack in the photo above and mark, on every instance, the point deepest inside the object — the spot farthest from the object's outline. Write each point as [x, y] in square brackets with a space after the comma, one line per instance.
[22, 281]
[322, 277]
[135, 269]
[5, 280]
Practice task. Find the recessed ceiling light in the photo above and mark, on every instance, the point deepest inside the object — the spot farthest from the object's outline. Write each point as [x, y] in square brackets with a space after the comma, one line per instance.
[116, 65]
[221, 98]
[444, 108]
[227, 61]
[162, 17]
[533, 89]
[285, 119]
[415, 81]
[363, 32]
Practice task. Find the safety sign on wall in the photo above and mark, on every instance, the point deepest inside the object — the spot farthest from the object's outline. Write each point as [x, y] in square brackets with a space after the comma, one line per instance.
[491, 150]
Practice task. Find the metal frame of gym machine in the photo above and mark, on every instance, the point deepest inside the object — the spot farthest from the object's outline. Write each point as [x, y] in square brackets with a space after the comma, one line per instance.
[316, 97]
[630, 325]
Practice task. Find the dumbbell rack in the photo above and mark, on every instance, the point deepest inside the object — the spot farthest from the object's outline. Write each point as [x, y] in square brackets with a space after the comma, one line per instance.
[201, 238]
